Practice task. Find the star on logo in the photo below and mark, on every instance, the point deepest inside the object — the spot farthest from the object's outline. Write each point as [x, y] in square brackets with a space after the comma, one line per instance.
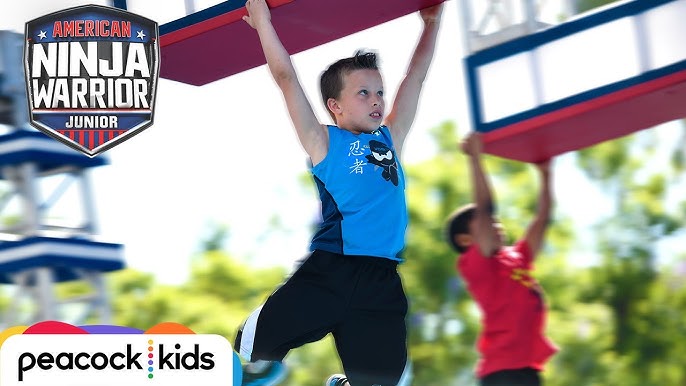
[41, 35]
[140, 35]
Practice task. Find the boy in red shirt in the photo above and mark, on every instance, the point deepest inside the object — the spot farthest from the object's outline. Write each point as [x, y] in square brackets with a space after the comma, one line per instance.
[512, 343]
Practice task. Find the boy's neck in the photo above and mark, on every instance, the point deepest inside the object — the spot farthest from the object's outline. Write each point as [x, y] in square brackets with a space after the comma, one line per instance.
[356, 132]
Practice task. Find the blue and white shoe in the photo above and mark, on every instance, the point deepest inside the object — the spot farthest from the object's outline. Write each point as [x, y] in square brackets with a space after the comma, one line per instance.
[264, 374]
[337, 380]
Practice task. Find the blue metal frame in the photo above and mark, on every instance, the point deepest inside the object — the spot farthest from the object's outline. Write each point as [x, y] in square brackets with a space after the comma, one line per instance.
[528, 43]
[63, 265]
[44, 158]
[202, 15]
[578, 98]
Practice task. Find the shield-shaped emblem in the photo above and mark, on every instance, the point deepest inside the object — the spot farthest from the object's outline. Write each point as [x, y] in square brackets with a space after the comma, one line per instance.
[91, 75]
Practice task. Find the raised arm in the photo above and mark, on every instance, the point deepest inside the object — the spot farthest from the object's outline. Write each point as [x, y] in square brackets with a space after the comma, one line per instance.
[536, 231]
[312, 135]
[404, 108]
[485, 234]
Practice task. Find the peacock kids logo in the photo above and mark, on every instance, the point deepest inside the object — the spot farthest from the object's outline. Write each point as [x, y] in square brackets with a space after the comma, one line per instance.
[91, 75]
[168, 354]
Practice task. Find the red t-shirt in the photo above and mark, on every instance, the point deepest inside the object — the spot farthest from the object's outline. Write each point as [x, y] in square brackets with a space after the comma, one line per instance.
[513, 309]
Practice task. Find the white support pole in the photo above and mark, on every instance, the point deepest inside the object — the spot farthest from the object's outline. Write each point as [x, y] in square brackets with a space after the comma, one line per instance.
[47, 309]
[498, 22]
[87, 202]
[465, 14]
[190, 6]
[102, 299]
[506, 14]
[531, 15]
[20, 281]
[27, 188]
[643, 49]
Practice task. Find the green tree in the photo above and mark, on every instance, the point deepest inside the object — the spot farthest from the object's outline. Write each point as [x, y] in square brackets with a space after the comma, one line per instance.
[587, 5]
[629, 279]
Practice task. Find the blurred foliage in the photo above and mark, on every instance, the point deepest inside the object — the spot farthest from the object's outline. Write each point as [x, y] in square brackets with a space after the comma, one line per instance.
[587, 5]
[618, 322]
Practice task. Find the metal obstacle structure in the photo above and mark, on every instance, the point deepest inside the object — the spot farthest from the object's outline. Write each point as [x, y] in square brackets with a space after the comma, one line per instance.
[601, 75]
[38, 251]
[214, 43]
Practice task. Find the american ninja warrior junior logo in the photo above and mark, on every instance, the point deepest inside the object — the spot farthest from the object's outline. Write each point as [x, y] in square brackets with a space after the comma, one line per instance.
[91, 75]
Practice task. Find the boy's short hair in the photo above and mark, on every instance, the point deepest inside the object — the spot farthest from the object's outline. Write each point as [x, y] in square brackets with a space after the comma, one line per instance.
[458, 223]
[331, 80]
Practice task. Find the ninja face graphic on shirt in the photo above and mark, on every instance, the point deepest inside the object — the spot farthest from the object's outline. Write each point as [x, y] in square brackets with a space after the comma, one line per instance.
[383, 156]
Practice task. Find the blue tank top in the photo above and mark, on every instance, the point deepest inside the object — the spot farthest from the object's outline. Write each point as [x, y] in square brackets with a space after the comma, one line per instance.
[362, 191]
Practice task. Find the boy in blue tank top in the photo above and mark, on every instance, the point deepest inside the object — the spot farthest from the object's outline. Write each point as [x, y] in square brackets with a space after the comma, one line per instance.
[349, 285]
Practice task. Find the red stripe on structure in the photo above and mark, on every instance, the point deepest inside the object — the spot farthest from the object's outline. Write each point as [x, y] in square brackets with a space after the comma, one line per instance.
[592, 121]
[579, 108]
[211, 23]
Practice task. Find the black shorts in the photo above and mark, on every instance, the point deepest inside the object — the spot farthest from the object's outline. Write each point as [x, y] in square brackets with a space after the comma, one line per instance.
[516, 377]
[359, 299]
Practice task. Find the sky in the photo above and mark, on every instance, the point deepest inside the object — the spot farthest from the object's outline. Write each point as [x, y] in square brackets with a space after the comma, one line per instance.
[198, 165]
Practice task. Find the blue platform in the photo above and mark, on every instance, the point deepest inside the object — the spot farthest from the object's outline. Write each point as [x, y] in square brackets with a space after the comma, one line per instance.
[29, 146]
[65, 256]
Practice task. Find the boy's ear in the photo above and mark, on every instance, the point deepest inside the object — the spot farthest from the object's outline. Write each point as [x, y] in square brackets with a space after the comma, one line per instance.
[333, 106]
[463, 239]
